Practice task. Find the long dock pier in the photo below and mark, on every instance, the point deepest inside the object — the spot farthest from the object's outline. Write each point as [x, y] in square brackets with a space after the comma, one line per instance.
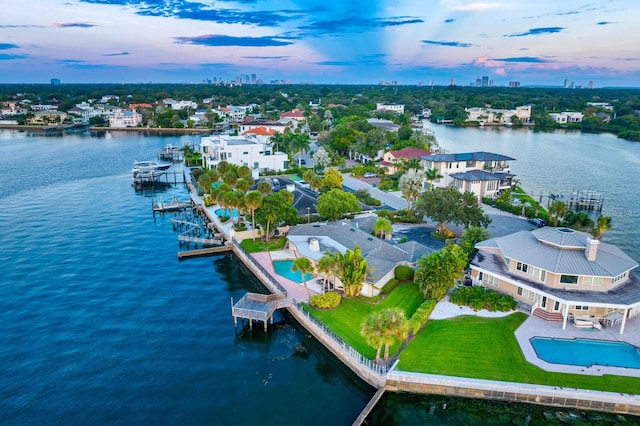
[208, 251]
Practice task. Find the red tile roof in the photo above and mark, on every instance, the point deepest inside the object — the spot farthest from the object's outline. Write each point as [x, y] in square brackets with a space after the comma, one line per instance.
[295, 113]
[260, 131]
[409, 152]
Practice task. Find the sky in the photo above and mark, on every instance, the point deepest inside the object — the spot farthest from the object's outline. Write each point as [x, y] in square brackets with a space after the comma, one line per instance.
[538, 42]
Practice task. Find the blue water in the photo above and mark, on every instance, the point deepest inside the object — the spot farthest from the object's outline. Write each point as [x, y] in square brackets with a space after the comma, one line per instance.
[586, 352]
[102, 325]
[225, 213]
[283, 268]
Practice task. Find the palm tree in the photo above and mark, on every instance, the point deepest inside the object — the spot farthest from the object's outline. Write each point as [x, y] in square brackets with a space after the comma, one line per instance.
[382, 227]
[410, 184]
[431, 175]
[515, 183]
[264, 187]
[326, 266]
[304, 265]
[558, 210]
[604, 224]
[301, 144]
[253, 201]
[352, 269]
[383, 327]
[525, 204]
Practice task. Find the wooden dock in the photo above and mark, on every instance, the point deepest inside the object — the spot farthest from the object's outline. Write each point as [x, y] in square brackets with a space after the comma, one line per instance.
[258, 307]
[369, 407]
[208, 251]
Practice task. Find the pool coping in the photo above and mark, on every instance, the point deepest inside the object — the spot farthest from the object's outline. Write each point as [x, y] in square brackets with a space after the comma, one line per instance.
[537, 327]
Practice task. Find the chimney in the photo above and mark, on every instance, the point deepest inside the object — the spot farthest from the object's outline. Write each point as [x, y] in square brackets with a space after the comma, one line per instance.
[314, 244]
[591, 250]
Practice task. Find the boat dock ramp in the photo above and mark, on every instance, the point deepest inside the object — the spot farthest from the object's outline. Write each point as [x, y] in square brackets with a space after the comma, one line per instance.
[582, 199]
[258, 307]
[194, 229]
[169, 206]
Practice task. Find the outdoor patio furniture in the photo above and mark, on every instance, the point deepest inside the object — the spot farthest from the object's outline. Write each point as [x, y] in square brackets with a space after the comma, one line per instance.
[614, 318]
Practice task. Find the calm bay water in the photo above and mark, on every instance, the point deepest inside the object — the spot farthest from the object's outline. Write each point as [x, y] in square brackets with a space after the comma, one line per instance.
[563, 161]
[102, 324]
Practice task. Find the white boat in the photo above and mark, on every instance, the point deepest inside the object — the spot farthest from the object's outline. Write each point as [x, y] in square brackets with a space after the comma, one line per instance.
[148, 169]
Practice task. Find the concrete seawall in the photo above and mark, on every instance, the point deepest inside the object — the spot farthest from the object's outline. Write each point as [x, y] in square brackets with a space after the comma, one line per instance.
[399, 381]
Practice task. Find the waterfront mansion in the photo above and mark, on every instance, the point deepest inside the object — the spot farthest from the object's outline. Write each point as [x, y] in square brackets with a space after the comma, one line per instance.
[562, 274]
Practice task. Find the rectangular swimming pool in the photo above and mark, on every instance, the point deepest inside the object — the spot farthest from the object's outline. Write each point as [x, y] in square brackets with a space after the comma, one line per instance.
[586, 352]
[283, 268]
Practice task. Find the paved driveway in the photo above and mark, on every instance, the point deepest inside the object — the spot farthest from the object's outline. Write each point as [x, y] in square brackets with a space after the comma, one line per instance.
[390, 200]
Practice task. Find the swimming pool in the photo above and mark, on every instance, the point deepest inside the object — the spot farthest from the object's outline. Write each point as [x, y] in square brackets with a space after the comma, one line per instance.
[283, 268]
[225, 213]
[585, 352]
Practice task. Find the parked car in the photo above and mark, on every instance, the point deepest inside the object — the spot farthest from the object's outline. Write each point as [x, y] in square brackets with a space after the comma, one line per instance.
[370, 175]
[537, 222]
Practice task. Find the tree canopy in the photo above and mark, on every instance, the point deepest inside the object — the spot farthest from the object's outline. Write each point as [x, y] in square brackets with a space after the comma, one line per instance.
[334, 204]
[438, 271]
[448, 205]
[352, 270]
[276, 208]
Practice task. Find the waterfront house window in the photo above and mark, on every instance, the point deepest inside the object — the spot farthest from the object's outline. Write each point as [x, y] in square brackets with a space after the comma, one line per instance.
[245, 153]
[519, 291]
[491, 185]
[619, 277]
[470, 163]
[594, 281]
[569, 279]
[522, 267]
[490, 279]
[256, 165]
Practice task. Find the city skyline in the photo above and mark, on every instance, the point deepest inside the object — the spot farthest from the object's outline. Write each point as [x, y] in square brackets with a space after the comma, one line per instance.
[439, 42]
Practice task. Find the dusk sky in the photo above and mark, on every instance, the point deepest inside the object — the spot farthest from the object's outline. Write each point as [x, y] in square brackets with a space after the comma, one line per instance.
[538, 42]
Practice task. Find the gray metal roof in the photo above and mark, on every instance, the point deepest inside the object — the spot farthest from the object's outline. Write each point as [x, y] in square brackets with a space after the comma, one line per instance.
[479, 175]
[625, 295]
[561, 252]
[467, 156]
[383, 256]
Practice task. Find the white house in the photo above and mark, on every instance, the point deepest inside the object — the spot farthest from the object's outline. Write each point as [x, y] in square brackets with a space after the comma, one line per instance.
[498, 116]
[252, 151]
[567, 117]
[390, 107]
[125, 118]
[483, 173]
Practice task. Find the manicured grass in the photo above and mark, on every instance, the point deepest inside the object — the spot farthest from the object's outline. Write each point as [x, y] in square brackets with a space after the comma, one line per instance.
[486, 348]
[276, 243]
[347, 318]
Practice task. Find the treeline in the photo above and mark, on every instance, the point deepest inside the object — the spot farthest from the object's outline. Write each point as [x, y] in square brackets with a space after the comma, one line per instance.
[354, 100]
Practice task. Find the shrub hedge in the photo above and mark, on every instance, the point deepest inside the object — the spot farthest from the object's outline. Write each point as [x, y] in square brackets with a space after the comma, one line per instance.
[420, 316]
[477, 297]
[329, 300]
[403, 273]
[389, 286]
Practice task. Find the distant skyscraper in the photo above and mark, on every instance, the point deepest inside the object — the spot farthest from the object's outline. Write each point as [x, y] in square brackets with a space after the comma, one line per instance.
[490, 83]
[452, 81]
[514, 84]
[485, 81]
[566, 83]
[590, 84]
[55, 81]
[478, 82]
[253, 79]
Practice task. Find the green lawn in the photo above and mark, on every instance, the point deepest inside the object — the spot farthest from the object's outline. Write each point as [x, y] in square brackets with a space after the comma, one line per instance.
[276, 243]
[347, 318]
[486, 348]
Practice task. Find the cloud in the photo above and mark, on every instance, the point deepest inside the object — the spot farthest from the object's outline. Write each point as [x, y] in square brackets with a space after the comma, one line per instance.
[522, 59]
[604, 23]
[266, 57]
[116, 54]
[224, 40]
[7, 57]
[447, 43]
[537, 31]
[351, 25]
[450, 20]
[5, 46]
[197, 11]
[336, 63]
[73, 25]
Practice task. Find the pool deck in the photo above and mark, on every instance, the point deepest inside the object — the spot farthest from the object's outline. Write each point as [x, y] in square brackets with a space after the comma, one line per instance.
[537, 327]
[295, 291]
